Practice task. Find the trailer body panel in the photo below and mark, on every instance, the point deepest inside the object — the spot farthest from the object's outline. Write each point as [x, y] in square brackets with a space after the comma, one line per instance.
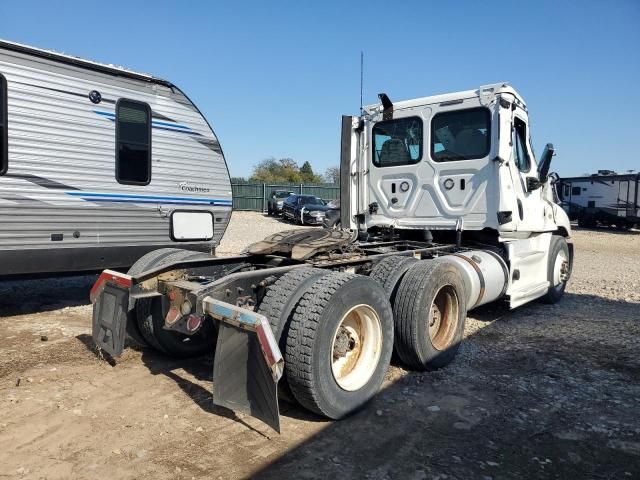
[61, 190]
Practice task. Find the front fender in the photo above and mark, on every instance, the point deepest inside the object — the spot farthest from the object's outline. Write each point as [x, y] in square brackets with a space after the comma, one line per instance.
[563, 224]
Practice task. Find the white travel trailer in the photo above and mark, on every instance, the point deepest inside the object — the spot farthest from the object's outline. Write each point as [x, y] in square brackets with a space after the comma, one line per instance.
[605, 198]
[99, 165]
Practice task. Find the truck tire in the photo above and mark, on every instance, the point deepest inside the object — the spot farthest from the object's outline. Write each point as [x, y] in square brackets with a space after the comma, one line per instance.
[278, 305]
[430, 311]
[389, 271]
[558, 273]
[149, 321]
[332, 223]
[339, 344]
[282, 297]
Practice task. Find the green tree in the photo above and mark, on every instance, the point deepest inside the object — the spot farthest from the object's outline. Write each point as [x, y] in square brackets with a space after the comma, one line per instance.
[270, 170]
[306, 172]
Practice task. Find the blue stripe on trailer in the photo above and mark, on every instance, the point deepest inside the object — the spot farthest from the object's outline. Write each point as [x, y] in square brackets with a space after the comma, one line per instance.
[146, 198]
[163, 202]
[112, 116]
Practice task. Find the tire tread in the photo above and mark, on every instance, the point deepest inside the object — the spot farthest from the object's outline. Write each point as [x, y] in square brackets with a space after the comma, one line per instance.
[302, 333]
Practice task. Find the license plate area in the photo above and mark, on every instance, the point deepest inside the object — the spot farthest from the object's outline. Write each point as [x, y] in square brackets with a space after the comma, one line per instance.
[110, 319]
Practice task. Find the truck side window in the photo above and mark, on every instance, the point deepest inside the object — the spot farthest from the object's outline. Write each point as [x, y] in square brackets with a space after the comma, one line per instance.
[519, 140]
[397, 142]
[461, 135]
[133, 142]
[4, 134]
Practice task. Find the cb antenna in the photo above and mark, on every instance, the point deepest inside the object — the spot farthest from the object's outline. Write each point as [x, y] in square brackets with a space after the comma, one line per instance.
[361, 78]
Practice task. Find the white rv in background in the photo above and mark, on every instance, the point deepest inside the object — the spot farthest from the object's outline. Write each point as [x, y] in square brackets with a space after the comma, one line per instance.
[605, 198]
[99, 165]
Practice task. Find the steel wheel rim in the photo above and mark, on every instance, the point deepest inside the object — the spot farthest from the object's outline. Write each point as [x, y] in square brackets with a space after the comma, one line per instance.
[356, 347]
[560, 269]
[443, 317]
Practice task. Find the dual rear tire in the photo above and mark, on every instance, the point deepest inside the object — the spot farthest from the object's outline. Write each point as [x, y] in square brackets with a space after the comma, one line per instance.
[336, 330]
[430, 312]
[336, 333]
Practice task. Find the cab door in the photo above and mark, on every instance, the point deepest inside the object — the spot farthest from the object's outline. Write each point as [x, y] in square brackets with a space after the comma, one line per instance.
[531, 208]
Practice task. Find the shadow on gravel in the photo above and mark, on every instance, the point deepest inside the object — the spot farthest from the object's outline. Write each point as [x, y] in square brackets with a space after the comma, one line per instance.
[519, 401]
[544, 391]
[199, 368]
[37, 295]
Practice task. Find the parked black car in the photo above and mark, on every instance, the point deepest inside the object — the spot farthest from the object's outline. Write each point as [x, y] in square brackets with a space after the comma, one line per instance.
[332, 215]
[276, 199]
[304, 209]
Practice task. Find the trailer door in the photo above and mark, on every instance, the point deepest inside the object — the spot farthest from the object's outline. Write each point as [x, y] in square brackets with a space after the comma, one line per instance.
[623, 203]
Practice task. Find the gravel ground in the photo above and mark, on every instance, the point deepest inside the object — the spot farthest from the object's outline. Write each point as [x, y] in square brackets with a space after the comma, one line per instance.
[539, 392]
[246, 228]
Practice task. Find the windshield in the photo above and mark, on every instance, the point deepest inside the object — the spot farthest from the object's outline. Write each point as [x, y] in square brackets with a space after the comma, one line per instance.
[311, 201]
[282, 194]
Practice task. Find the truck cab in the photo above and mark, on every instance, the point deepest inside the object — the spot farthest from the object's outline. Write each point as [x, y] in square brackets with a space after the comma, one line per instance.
[444, 208]
[460, 162]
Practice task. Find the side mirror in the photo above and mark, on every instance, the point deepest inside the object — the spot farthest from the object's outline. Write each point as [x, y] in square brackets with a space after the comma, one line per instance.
[545, 162]
[533, 184]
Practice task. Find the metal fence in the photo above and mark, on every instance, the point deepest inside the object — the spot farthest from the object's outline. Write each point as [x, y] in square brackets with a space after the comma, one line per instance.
[254, 196]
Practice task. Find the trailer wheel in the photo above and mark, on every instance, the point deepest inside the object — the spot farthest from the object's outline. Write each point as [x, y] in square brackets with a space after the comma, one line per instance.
[148, 314]
[587, 221]
[559, 268]
[430, 311]
[339, 344]
[389, 271]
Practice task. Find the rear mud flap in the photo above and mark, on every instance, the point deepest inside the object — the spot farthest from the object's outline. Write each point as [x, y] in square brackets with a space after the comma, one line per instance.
[242, 380]
[110, 320]
[248, 363]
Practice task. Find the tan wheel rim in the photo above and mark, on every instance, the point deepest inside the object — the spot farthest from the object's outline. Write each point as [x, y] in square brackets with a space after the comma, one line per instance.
[443, 318]
[356, 347]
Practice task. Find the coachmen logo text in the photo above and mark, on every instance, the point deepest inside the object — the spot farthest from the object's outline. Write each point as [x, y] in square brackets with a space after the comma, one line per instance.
[185, 187]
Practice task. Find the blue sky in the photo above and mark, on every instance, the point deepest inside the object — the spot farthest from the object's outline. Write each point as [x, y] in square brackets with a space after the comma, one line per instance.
[274, 77]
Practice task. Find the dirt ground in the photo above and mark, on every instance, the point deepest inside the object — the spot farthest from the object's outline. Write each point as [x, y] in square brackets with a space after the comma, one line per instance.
[539, 392]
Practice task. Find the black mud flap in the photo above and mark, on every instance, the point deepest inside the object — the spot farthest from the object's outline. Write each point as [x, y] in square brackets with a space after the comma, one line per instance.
[110, 319]
[241, 379]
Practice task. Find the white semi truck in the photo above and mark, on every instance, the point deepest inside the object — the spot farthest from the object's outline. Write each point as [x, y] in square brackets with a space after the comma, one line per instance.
[444, 208]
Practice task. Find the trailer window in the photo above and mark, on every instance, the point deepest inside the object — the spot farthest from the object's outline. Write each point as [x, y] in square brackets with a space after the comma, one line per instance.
[397, 142]
[461, 135]
[133, 142]
[4, 134]
[575, 191]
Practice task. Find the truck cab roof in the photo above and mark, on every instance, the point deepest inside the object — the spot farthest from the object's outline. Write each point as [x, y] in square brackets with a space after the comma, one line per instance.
[487, 93]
